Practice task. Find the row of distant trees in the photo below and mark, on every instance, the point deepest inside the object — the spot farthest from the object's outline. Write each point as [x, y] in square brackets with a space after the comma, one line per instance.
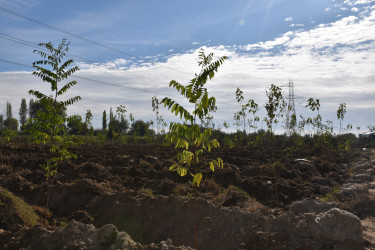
[112, 125]
[11, 123]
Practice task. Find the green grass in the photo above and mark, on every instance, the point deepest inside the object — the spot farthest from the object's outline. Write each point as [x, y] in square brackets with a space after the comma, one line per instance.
[331, 196]
[18, 207]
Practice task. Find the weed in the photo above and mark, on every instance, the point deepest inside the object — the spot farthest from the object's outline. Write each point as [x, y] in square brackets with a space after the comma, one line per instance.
[63, 223]
[331, 196]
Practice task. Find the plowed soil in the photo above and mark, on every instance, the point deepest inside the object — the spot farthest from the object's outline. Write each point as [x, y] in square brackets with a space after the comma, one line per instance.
[132, 187]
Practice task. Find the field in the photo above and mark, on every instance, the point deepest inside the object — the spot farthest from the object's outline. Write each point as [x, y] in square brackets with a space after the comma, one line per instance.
[65, 185]
[312, 199]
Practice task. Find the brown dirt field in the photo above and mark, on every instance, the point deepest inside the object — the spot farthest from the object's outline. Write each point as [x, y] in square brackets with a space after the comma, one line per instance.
[131, 187]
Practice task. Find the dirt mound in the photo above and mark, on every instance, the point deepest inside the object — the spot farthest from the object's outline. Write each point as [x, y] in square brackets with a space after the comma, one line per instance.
[75, 235]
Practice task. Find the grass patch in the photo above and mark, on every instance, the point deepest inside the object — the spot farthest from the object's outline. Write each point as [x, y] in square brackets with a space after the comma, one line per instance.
[147, 191]
[14, 209]
[331, 196]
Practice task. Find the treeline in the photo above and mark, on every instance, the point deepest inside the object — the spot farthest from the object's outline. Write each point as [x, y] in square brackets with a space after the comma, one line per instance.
[114, 125]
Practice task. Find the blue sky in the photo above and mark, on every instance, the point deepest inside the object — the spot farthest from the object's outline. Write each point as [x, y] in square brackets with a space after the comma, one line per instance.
[326, 47]
[149, 28]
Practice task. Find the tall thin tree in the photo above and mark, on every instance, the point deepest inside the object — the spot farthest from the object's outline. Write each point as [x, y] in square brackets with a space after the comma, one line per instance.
[23, 114]
[9, 114]
[1, 123]
[104, 120]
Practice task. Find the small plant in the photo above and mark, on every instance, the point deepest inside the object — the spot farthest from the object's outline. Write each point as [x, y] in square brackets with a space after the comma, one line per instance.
[297, 141]
[188, 135]
[48, 126]
[316, 122]
[331, 196]
[228, 141]
[341, 113]
[258, 140]
[9, 134]
[226, 125]
[159, 118]
[250, 107]
[240, 116]
[117, 123]
[343, 146]
[274, 107]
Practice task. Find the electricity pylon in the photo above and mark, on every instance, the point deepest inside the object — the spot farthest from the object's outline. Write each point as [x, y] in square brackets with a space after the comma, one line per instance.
[291, 118]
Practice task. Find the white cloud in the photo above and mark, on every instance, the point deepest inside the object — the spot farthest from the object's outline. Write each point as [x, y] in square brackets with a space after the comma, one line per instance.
[358, 2]
[288, 19]
[364, 1]
[297, 25]
[269, 44]
[354, 9]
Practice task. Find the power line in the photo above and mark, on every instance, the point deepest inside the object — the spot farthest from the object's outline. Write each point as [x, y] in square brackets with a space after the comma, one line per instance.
[33, 45]
[89, 79]
[16, 63]
[106, 83]
[89, 40]
[119, 85]
[63, 31]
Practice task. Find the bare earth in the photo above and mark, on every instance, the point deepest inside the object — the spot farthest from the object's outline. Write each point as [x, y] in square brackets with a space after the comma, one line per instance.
[318, 199]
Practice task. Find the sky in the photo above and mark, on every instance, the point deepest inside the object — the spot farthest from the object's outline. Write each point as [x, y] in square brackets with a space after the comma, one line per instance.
[129, 51]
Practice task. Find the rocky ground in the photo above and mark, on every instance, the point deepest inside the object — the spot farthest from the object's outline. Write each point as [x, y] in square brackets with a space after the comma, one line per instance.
[124, 197]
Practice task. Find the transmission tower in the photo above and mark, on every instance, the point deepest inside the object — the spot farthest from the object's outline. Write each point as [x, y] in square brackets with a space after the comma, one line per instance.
[291, 118]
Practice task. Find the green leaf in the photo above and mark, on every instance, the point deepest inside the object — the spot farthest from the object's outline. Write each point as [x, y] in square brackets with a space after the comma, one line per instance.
[220, 162]
[212, 167]
[197, 179]
[181, 171]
